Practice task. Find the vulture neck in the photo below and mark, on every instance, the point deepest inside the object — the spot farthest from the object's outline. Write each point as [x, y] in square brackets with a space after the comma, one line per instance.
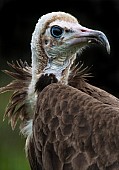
[60, 69]
[42, 66]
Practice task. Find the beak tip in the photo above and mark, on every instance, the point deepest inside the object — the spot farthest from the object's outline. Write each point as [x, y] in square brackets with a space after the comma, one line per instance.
[108, 48]
[104, 41]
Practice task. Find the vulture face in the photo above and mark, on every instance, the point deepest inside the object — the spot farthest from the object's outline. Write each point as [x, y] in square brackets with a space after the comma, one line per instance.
[63, 39]
[57, 38]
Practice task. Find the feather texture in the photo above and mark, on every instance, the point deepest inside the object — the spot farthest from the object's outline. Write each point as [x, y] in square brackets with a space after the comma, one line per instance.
[77, 79]
[79, 132]
[17, 106]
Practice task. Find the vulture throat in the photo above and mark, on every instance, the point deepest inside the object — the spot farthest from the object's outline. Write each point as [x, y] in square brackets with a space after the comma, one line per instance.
[68, 123]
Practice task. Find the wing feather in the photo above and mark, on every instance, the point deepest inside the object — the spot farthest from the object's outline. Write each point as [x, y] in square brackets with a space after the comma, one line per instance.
[17, 106]
[77, 79]
[85, 133]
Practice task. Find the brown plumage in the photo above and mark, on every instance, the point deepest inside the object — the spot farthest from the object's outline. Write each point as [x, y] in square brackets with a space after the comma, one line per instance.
[79, 132]
[17, 107]
[69, 124]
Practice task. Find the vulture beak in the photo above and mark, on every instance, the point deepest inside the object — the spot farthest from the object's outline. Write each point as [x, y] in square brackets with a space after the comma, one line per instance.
[84, 36]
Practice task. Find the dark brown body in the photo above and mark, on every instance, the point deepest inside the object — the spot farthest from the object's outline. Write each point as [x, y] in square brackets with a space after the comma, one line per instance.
[74, 131]
[73, 128]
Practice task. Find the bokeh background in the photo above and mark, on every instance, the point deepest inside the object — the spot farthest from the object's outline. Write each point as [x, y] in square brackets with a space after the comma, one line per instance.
[17, 22]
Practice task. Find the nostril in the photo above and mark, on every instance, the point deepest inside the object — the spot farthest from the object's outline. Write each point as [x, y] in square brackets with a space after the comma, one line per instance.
[83, 30]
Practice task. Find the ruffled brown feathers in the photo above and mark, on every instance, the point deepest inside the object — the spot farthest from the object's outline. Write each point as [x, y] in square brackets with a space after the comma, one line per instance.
[78, 73]
[17, 106]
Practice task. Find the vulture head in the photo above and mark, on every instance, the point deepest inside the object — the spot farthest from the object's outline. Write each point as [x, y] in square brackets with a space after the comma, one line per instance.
[57, 38]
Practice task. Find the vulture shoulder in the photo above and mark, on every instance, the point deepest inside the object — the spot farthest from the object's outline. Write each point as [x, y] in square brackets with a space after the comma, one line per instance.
[77, 79]
[73, 130]
[17, 107]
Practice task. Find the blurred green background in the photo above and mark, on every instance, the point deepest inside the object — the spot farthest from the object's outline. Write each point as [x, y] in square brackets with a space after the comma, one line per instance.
[12, 143]
[17, 22]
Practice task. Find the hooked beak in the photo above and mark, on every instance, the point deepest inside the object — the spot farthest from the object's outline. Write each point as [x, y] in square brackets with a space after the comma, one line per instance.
[86, 36]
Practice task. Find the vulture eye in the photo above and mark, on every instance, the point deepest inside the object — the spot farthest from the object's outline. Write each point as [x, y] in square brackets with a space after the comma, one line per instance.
[56, 31]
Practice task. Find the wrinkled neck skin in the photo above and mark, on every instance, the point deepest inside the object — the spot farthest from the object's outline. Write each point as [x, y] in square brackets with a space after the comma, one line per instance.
[60, 68]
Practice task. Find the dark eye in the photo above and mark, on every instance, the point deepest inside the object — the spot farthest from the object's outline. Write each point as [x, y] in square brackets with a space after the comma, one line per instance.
[56, 31]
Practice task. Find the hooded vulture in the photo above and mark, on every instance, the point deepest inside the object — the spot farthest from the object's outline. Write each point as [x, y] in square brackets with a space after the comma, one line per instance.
[68, 123]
